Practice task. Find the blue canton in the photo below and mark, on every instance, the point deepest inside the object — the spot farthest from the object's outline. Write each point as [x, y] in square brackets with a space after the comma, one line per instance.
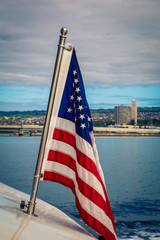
[74, 106]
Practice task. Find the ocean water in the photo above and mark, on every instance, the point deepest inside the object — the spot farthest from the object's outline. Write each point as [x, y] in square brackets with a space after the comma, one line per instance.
[131, 166]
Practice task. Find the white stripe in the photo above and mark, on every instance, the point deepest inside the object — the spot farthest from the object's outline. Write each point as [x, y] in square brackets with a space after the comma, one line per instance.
[95, 211]
[88, 177]
[64, 148]
[99, 168]
[66, 125]
[85, 203]
[81, 143]
[61, 169]
[65, 63]
[84, 147]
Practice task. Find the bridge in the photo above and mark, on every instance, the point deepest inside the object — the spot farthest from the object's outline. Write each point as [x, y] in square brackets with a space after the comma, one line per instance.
[16, 128]
[99, 131]
[117, 131]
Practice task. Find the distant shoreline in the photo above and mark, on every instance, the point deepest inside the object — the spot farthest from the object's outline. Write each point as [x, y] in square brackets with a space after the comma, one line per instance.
[39, 134]
[126, 135]
[98, 131]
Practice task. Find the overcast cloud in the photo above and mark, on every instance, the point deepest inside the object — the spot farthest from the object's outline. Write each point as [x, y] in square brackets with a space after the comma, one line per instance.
[117, 41]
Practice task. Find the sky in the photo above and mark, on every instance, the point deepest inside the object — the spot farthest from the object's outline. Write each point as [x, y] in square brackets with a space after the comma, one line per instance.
[117, 44]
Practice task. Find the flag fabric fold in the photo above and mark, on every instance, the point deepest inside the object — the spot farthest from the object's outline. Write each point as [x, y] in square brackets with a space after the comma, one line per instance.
[70, 156]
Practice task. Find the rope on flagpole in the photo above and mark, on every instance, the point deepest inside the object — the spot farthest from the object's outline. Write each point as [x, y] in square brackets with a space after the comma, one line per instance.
[31, 204]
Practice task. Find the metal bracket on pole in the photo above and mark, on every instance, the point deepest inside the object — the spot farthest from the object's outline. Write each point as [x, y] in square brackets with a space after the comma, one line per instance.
[31, 204]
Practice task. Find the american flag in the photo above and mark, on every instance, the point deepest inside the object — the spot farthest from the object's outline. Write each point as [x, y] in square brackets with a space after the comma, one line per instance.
[71, 155]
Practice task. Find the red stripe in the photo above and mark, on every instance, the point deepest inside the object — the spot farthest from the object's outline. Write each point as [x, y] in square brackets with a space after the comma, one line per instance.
[56, 177]
[94, 223]
[91, 221]
[82, 159]
[64, 136]
[92, 194]
[85, 162]
[88, 164]
[85, 189]
[63, 158]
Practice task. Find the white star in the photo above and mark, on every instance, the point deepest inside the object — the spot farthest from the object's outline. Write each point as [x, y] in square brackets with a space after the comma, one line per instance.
[71, 97]
[89, 119]
[77, 90]
[69, 110]
[82, 116]
[76, 80]
[79, 98]
[80, 107]
[74, 72]
[83, 125]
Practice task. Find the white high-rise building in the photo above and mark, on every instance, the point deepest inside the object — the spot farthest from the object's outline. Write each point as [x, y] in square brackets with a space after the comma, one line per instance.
[134, 111]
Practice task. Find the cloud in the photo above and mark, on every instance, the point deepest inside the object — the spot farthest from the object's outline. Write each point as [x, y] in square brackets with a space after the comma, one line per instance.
[117, 41]
[11, 106]
[101, 105]
[149, 101]
[143, 102]
[16, 79]
[112, 96]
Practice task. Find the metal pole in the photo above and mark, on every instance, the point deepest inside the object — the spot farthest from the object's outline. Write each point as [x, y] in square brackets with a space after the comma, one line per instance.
[37, 175]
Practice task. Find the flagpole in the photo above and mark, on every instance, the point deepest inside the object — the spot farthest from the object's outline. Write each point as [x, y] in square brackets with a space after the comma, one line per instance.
[37, 175]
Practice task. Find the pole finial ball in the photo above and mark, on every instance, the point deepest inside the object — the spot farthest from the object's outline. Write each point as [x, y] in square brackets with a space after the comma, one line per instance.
[64, 31]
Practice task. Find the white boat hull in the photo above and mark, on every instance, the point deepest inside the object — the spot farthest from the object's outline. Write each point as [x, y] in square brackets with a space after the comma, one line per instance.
[51, 223]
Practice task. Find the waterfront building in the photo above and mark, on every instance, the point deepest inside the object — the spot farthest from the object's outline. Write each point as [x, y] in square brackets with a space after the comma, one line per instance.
[134, 112]
[122, 114]
[126, 114]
